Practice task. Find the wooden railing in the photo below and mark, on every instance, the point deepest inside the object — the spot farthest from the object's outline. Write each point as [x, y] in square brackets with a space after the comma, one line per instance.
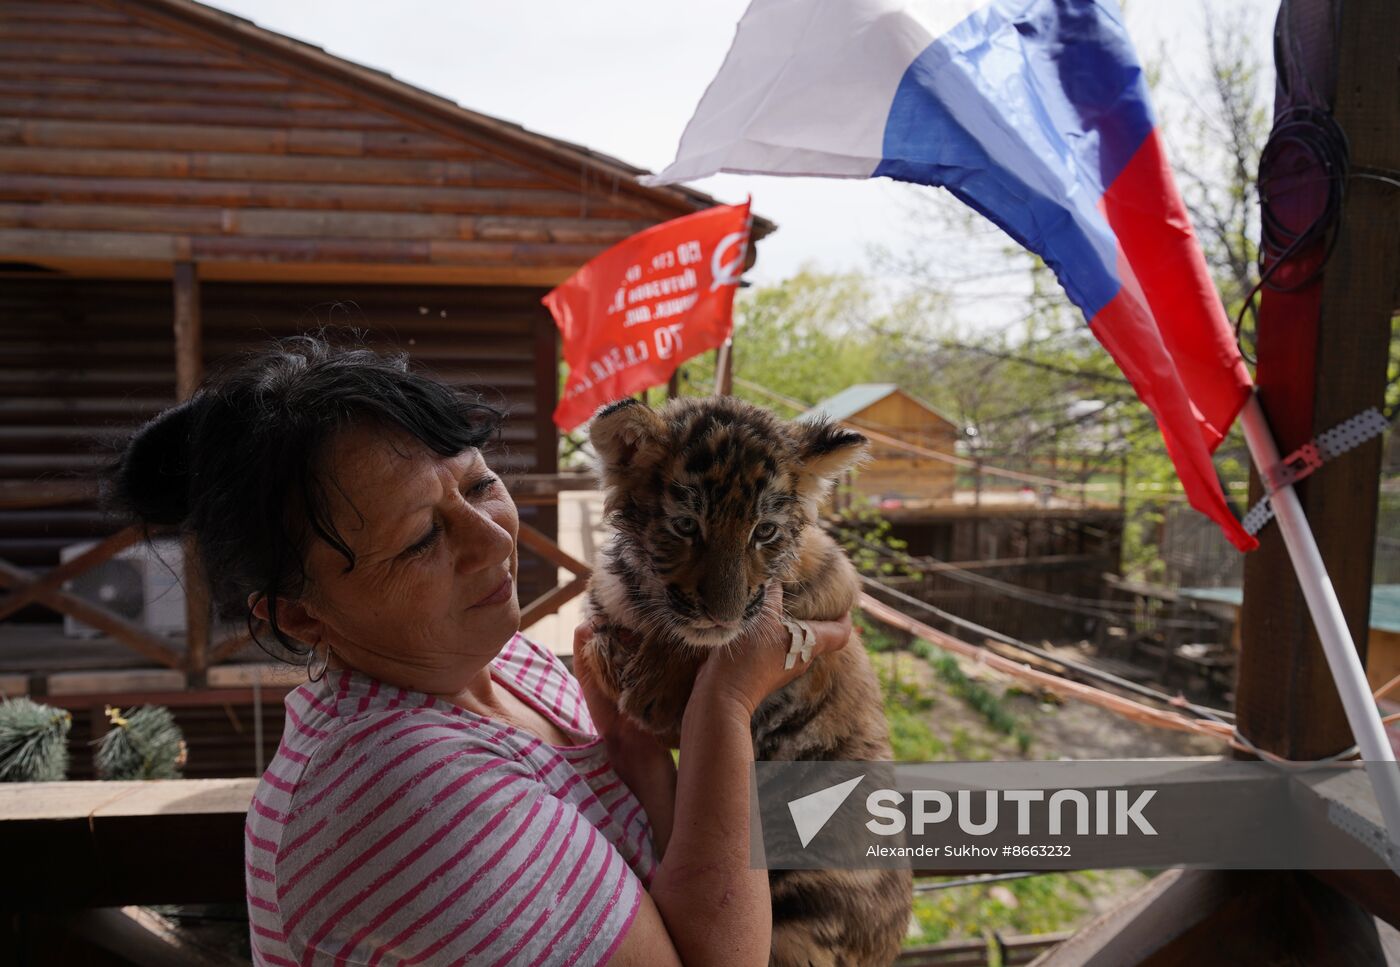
[25, 587]
[1010, 951]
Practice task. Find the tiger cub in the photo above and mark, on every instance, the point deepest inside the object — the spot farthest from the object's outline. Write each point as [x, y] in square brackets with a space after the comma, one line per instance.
[710, 500]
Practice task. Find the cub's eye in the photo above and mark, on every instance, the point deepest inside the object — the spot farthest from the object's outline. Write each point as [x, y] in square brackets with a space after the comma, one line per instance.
[686, 526]
[765, 531]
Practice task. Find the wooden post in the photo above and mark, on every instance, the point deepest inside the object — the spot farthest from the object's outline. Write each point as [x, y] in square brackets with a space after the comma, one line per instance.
[1123, 483]
[189, 356]
[724, 369]
[1322, 356]
[1313, 373]
[545, 516]
[189, 370]
[673, 385]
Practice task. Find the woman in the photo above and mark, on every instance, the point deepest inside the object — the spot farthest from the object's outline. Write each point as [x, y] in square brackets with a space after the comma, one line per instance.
[444, 792]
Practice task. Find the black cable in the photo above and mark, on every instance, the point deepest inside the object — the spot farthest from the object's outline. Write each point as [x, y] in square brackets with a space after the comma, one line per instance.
[1310, 133]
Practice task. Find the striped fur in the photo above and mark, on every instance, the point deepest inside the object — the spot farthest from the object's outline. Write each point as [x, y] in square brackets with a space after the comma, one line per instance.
[709, 501]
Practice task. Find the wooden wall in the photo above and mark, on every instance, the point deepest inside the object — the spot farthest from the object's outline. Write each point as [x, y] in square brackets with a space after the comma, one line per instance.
[83, 362]
[1064, 554]
[139, 134]
[894, 472]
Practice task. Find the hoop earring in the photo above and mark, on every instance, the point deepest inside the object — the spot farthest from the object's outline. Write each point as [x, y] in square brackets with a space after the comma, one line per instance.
[316, 676]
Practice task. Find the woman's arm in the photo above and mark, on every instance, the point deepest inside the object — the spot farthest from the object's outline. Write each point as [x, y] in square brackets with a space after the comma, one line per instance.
[707, 867]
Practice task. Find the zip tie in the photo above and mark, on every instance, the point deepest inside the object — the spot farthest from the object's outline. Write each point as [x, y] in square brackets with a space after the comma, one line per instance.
[1302, 462]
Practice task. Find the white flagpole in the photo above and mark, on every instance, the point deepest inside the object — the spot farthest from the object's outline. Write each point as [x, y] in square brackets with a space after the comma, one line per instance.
[1357, 700]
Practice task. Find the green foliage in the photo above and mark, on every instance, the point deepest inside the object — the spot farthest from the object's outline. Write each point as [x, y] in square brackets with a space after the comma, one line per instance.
[33, 741]
[910, 736]
[1036, 904]
[974, 693]
[877, 637]
[144, 743]
[868, 540]
[809, 337]
[906, 711]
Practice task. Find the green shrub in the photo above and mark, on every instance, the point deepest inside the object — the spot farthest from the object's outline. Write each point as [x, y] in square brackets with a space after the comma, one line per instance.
[33, 741]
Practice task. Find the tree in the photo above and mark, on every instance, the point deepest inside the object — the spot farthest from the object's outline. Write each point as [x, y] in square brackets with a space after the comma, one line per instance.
[811, 336]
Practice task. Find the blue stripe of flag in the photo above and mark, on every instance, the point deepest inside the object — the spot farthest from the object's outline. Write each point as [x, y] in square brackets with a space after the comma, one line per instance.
[1053, 87]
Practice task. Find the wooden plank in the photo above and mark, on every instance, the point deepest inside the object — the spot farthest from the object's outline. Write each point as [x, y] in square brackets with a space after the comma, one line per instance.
[68, 837]
[265, 674]
[62, 13]
[271, 692]
[551, 601]
[1223, 917]
[86, 88]
[188, 137]
[1308, 382]
[544, 253]
[1375, 891]
[243, 166]
[28, 494]
[89, 683]
[244, 79]
[167, 220]
[62, 32]
[77, 190]
[63, 53]
[345, 273]
[550, 551]
[36, 244]
[217, 113]
[532, 488]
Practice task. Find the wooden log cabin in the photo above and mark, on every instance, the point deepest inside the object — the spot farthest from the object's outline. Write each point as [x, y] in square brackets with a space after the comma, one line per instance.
[177, 183]
[893, 472]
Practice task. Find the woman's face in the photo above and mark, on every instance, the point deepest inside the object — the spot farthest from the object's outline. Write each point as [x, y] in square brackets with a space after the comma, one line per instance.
[432, 597]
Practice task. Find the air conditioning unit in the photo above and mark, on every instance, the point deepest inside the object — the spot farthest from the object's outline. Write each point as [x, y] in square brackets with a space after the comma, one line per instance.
[142, 584]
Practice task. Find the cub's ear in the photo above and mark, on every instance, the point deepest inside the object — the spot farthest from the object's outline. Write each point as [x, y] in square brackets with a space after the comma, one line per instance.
[825, 448]
[627, 435]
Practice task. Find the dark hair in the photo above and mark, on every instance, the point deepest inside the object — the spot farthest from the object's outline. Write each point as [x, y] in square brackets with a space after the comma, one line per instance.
[238, 464]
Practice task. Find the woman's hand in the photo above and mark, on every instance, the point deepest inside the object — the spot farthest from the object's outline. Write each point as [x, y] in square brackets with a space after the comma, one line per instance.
[751, 668]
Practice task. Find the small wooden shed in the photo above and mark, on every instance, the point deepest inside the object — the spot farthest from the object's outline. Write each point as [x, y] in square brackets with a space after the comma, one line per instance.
[894, 473]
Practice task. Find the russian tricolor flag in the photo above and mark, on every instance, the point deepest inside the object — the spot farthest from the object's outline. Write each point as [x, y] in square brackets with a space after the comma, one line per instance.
[1035, 113]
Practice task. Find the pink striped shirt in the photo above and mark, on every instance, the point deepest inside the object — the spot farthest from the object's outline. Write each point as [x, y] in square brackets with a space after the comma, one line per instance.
[395, 828]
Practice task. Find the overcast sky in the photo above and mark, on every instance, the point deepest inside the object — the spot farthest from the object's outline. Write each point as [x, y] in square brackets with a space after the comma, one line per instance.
[623, 76]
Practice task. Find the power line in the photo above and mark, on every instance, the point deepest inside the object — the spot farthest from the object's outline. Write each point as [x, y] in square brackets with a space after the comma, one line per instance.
[1038, 364]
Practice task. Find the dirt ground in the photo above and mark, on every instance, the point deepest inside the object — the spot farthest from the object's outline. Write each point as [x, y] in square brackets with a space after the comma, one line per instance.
[1058, 729]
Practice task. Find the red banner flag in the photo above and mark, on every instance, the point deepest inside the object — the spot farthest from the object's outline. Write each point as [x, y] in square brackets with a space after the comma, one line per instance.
[633, 314]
